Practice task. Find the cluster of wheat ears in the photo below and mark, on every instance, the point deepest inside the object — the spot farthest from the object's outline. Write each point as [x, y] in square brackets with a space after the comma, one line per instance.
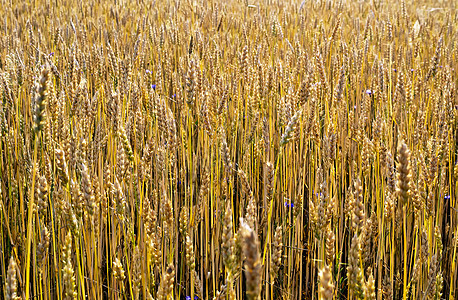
[228, 149]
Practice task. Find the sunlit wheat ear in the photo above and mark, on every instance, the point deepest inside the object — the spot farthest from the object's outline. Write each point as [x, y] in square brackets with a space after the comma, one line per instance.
[339, 90]
[225, 155]
[40, 100]
[11, 281]
[367, 155]
[438, 240]
[252, 265]
[304, 92]
[277, 252]
[424, 246]
[430, 288]
[369, 287]
[137, 272]
[42, 195]
[391, 176]
[355, 276]
[330, 245]
[87, 190]
[197, 283]
[403, 173]
[203, 193]
[69, 286]
[221, 294]
[416, 270]
[287, 135]
[251, 212]
[228, 242]
[126, 144]
[387, 290]
[190, 257]
[270, 173]
[61, 165]
[43, 246]
[118, 270]
[366, 239]
[326, 288]
[119, 198]
[77, 198]
[246, 188]
[434, 61]
[244, 64]
[184, 219]
[154, 248]
[167, 282]
[358, 214]
[191, 83]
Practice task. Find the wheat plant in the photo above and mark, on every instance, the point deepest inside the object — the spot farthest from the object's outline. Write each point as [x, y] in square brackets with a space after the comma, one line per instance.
[195, 149]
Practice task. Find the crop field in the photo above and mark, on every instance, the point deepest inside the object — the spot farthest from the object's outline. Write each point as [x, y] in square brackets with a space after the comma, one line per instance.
[194, 149]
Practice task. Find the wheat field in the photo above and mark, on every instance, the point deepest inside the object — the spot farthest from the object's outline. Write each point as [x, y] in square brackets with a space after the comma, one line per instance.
[195, 149]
